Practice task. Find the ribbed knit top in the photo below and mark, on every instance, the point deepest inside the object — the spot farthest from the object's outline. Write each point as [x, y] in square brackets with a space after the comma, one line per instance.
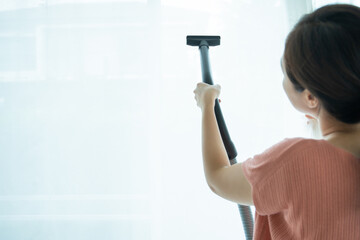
[305, 189]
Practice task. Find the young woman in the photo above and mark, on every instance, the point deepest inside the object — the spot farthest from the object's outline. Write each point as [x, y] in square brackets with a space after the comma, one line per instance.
[302, 188]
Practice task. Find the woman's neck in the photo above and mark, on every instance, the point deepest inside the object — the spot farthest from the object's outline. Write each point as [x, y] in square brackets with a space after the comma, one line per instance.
[339, 134]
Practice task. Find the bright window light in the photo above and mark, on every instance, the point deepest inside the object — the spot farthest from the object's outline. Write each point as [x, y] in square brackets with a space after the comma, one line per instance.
[99, 129]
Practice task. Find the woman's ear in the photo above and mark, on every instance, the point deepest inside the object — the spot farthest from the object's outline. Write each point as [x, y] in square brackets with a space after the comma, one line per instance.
[310, 100]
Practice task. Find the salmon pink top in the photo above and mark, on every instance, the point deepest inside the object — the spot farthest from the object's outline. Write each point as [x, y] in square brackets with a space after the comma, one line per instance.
[305, 189]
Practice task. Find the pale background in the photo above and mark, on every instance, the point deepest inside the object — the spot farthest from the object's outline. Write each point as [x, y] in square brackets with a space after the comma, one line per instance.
[99, 129]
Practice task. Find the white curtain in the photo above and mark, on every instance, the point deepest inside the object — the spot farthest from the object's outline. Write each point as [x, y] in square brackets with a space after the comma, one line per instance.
[99, 130]
[320, 3]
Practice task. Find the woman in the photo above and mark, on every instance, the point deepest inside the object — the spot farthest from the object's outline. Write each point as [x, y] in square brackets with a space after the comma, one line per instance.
[302, 188]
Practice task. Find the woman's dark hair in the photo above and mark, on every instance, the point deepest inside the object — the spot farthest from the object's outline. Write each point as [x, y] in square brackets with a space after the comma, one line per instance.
[322, 54]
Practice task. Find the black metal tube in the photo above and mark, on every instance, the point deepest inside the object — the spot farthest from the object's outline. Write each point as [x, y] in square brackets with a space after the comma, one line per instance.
[205, 64]
[245, 211]
[206, 76]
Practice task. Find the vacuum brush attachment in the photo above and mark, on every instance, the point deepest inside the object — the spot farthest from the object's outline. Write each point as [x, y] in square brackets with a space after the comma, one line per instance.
[203, 40]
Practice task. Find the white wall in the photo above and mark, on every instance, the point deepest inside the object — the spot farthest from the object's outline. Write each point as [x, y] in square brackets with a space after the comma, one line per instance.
[99, 129]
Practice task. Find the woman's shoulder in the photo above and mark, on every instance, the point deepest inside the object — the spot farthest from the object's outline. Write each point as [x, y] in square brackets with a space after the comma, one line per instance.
[302, 143]
[291, 145]
[289, 149]
[308, 146]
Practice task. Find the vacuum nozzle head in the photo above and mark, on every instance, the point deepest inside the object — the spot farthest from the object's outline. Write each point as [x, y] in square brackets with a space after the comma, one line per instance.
[202, 40]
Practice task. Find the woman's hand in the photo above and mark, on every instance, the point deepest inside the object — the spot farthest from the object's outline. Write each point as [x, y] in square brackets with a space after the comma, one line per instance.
[206, 94]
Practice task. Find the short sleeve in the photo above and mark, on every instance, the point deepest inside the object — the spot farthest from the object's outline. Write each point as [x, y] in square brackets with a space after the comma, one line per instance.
[268, 177]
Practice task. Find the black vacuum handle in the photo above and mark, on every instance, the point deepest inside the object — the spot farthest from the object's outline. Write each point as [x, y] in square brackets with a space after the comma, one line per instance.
[206, 76]
[204, 42]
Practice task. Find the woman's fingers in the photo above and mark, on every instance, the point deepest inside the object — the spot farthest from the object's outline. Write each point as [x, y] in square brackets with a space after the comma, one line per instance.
[206, 94]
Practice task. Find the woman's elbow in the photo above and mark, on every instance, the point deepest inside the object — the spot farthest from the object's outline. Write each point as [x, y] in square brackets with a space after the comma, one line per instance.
[212, 187]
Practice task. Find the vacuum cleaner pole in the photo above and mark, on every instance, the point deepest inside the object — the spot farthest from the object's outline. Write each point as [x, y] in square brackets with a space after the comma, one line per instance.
[203, 42]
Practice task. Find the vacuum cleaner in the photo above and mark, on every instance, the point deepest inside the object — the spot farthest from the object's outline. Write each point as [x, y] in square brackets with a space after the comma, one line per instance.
[203, 42]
